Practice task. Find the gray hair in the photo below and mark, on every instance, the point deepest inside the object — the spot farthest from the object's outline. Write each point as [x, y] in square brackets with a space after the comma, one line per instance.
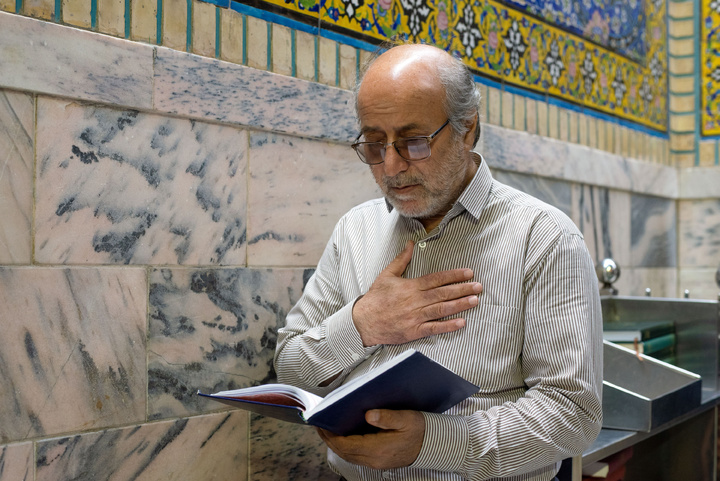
[462, 97]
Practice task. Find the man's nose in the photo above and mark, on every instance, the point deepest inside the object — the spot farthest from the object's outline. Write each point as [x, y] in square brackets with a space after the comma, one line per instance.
[394, 163]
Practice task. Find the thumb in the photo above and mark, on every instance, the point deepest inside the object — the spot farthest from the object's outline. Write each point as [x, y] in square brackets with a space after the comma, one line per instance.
[401, 261]
[384, 419]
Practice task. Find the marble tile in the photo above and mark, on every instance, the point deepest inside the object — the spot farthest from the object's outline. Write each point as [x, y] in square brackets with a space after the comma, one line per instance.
[699, 183]
[203, 28]
[72, 353]
[700, 282]
[143, 20]
[661, 281]
[124, 187]
[286, 451]
[17, 119]
[77, 13]
[654, 179]
[258, 43]
[232, 36]
[555, 192]
[603, 216]
[282, 49]
[16, 462]
[208, 88]
[106, 69]
[175, 24]
[327, 61]
[44, 9]
[521, 152]
[595, 167]
[198, 448]
[7, 6]
[653, 239]
[699, 233]
[111, 17]
[348, 66]
[298, 191]
[305, 51]
[212, 330]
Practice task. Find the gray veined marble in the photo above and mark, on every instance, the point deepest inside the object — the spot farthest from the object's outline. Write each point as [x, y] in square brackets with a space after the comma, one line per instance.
[653, 232]
[16, 462]
[214, 329]
[105, 69]
[287, 451]
[298, 191]
[17, 131]
[554, 192]
[603, 216]
[521, 152]
[212, 447]
[72, 350]
[699, 232]
[123, 187]
[207, 88]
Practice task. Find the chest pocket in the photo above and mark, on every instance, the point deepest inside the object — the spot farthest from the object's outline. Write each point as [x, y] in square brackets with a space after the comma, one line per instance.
[491, 346]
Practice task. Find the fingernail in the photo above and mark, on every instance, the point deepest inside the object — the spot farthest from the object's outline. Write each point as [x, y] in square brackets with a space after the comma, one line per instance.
[468, 273]
[473, 300]
[373, 416]
[477, 287]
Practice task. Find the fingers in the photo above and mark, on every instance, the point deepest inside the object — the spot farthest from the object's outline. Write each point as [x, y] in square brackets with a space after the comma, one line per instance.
[400, 263]
[444, 278]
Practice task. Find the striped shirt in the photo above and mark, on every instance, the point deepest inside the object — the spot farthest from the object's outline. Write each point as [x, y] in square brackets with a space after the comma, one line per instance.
[533, 344]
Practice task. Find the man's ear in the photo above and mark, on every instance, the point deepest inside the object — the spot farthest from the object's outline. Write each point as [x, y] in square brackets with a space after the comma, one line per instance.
[471, 136]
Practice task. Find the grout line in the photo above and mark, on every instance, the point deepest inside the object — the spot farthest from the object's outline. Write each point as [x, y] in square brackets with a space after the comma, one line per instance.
[268, 44]
[218, 36]
[188, 30]
[244, 40]
[94, 14]
[127, 18]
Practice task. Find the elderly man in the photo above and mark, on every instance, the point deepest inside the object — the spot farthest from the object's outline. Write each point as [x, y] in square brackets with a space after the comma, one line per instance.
[488, 281]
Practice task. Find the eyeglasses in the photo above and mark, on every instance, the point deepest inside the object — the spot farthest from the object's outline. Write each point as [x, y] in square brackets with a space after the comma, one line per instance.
[410, 148]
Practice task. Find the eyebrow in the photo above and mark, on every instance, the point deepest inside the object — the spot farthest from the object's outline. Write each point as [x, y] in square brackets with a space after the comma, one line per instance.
[404, 128]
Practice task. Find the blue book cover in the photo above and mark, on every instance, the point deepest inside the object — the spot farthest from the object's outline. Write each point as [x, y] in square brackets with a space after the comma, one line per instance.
[411, 380]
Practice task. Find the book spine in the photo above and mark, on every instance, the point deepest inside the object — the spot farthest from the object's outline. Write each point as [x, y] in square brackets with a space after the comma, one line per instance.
[656, 331]
[658, 344]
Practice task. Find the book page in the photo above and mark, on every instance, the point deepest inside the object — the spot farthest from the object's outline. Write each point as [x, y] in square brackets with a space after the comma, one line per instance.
[279, 394]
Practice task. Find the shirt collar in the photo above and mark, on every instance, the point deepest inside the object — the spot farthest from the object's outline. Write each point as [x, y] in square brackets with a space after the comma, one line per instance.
[475, 196]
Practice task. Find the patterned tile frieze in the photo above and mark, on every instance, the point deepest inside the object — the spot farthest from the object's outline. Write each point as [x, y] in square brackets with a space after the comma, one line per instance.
[604, 54]
[710, 70]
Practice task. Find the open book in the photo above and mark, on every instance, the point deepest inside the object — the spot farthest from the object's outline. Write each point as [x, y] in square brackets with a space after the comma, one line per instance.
[409, 381]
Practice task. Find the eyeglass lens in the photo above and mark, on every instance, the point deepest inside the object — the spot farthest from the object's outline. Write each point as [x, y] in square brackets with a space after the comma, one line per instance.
[409, 149]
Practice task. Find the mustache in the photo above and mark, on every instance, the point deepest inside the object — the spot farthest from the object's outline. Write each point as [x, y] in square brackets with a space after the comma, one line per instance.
[402, 180]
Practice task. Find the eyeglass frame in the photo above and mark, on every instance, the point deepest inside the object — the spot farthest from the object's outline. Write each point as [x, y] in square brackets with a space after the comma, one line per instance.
[427, 138]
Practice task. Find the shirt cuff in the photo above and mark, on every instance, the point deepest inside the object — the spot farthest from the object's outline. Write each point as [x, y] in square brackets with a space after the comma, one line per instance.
[445, 443]
[344, 339]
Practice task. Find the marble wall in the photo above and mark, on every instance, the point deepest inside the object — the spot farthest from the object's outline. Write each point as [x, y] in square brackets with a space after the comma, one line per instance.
[162, 211]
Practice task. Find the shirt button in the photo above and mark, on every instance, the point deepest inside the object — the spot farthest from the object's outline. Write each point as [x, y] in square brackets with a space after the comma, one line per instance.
[387, 475]
[422, 244]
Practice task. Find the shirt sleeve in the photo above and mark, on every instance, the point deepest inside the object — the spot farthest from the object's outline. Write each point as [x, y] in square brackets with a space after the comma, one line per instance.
[319, 341]
[560, 414]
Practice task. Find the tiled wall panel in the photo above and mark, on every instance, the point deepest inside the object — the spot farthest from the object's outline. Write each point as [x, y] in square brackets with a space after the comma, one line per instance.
[72, 353]
[204, 447]
[298, 190]
[122, 187]
[17, 131]
[213, 330]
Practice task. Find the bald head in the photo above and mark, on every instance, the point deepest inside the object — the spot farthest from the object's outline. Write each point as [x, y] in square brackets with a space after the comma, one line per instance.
[427, 74]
